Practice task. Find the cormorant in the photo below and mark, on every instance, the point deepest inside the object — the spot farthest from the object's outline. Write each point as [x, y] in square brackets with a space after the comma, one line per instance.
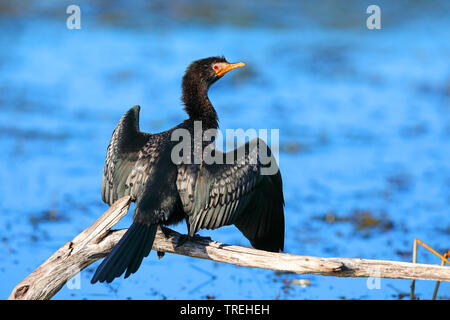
[204, 195]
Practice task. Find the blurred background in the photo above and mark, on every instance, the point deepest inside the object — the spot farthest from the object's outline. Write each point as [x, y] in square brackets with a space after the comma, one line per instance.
[364, 120]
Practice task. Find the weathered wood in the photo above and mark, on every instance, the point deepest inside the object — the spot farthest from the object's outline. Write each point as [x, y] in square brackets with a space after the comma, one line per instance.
[337, 267]
[71, 258]
[97, 241]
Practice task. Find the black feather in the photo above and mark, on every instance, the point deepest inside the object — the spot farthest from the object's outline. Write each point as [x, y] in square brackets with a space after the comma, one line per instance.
[134, 245]
[205, 195]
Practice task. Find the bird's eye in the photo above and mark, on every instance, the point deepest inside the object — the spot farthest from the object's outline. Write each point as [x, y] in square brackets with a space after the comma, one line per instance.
[215, 67]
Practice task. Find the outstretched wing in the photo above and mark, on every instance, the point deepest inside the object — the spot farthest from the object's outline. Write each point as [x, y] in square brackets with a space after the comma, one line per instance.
[245, 193]
[123, 151]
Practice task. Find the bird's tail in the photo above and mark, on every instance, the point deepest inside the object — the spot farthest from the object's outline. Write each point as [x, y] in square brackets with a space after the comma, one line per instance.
[128, 253]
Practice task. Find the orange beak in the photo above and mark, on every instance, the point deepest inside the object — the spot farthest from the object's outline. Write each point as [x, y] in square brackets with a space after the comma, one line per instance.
[225, 67]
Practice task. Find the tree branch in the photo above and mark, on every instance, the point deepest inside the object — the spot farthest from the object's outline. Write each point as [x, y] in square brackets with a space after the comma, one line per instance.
[98, 240]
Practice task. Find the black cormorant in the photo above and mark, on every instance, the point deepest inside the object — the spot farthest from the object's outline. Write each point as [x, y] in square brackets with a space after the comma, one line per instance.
[205, 195]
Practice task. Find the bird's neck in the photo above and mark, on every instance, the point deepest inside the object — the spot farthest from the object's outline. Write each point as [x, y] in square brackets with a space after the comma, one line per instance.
[197, 104]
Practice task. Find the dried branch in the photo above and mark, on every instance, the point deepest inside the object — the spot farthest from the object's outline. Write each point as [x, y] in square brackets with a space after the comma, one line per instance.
[98, 240]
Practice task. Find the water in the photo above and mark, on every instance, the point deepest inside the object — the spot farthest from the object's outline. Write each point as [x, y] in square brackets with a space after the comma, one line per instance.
[363, 116]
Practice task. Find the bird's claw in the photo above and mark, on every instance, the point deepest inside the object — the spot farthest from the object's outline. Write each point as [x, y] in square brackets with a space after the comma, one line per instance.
[185, 237]
[165, 231]
[201, 238]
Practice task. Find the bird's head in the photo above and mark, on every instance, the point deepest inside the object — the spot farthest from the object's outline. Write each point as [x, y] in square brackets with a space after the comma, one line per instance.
[209, 70]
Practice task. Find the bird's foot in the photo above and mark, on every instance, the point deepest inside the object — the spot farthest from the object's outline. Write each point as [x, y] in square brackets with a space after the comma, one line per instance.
[185, 237]
[165, 231]
[201, 238]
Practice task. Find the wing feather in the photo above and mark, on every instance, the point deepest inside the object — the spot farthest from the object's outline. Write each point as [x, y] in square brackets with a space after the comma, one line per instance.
[124, 150]
[216, 195]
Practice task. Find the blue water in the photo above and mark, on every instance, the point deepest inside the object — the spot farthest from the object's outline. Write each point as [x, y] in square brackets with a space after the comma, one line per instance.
[364, 120]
